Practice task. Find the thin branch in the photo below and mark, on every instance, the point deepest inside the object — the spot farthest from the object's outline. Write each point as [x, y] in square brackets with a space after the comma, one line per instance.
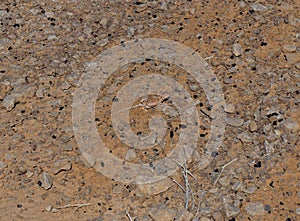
[181, 187]
[129, 217]
[184, 168]
[73, 205]
[223, 167]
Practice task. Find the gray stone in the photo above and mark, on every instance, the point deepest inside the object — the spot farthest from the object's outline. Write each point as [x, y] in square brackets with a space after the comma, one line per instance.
[237, 50]
[253, 126]
[236, 185]
[130, 155]
[250, 189]
[9, 102]
[46, 180]
[194, 87]
[184, 215]
[230, 108]
[236, 122]
[258, 7]
[289, 48]
[61, 165]
[244, 137]
[231, 211]
[162, 213]
[2, 165]
[291, 124]
[255, 209]
[269, 147]
[204, 219]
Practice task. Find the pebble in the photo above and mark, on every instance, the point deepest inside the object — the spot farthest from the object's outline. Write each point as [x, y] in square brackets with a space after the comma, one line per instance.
[2, 165]
[9, 102]
[130, 155]
[292, 58]
[268, 208]
[236, 185]
[184, 215]
[244, 137]
[237, 50]
[225, 181]
[291, 124]
[236, 122]
[298, 211]
[68, 147]
[251, 189]
[39, 92]
[269, 147]
[231, 211]
[230, 108]
[46, 180]
[255, 209]
[194, 87]
[48, 208]
[289, 48]
[253, 126]
[155, 188]
[61, 165]
[162, 213]
[169, 111]
[258, 7]
[204, 219]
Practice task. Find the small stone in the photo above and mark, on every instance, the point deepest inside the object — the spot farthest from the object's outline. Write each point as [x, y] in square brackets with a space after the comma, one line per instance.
[204, 219]
[250, 189]
[155, 188]
[236, 186]
[258, 7]
[236, 122]
[184, 215]
[68, 147]
[255, 209]
[61, 165]
[291, 124]
[46, 180]
[9, 102]
[268, 208]
[244, 137]
[298, 211]
[293, 58]
[169, 111]
[269, 147]
[225, 181]
[103, 42]
[231, 211]
[230, 108]
[65, 85]
[237, 50]
[52, 37]
[130, 155]
[39, 92]
[2, 165]
[253, 126]
[48, 208]
[162, 213]
[297, 65]
[289, 48]
[194, 87]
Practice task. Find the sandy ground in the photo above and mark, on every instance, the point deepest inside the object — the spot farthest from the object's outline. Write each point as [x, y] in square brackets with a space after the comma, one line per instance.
[252, 47]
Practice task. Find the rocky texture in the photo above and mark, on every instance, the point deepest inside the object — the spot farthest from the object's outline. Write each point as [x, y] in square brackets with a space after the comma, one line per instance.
[251, 46]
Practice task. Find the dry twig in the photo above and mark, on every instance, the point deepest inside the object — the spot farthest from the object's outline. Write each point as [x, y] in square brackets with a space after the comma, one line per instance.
[223, 167]
[73, 205]
[128, 215]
